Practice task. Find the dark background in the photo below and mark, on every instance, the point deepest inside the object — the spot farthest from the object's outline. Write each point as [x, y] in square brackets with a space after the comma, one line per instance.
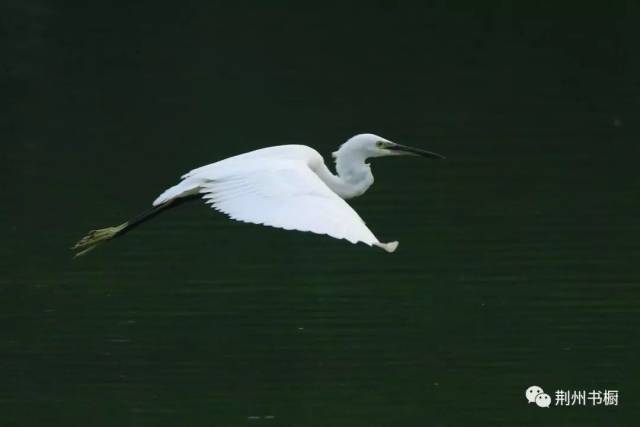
[518, 262]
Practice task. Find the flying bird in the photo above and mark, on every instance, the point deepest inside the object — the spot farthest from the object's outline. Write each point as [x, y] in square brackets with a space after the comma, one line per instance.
[286, 186]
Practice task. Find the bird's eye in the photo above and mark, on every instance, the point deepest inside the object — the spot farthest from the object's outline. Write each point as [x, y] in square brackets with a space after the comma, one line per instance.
[380, 144]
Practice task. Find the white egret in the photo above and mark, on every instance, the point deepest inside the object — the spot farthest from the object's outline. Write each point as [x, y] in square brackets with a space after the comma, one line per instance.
[286, 186]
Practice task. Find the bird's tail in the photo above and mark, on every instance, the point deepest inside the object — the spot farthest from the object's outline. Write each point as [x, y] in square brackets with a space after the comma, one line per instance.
[95, 238]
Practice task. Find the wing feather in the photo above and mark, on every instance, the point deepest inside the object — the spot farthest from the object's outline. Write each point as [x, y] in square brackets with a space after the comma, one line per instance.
[288, 195]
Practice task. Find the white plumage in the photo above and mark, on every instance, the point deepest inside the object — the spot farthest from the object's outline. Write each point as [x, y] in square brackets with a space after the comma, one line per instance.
[286, 186]
[276, 186]
[289, 187]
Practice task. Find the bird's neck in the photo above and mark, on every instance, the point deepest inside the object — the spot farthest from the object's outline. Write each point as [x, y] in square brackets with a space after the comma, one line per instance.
[353, 177]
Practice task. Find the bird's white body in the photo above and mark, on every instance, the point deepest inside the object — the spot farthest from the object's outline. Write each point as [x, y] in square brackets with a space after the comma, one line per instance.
[290, 187]
[287, 186]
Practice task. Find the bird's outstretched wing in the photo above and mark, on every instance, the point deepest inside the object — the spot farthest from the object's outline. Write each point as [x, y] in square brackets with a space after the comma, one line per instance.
[288, 195]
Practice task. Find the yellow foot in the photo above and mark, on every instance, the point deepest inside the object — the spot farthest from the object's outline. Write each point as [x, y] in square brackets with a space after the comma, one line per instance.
[97, 237]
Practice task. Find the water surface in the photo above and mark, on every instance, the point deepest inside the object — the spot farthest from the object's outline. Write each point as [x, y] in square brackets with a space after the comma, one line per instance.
[518, 257]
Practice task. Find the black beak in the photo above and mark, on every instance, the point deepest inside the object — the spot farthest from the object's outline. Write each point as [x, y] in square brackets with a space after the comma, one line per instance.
[415, 151]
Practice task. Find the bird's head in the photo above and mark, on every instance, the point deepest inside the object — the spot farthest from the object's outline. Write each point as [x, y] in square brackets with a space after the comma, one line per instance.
[368, 145]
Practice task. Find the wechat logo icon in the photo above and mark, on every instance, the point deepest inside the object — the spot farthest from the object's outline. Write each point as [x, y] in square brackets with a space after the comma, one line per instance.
[535, 394]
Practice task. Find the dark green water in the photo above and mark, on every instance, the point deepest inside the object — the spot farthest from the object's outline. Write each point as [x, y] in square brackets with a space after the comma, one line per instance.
[518, 261]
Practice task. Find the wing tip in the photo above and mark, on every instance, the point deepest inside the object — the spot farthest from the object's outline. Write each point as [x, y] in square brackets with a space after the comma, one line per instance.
[390, 247]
